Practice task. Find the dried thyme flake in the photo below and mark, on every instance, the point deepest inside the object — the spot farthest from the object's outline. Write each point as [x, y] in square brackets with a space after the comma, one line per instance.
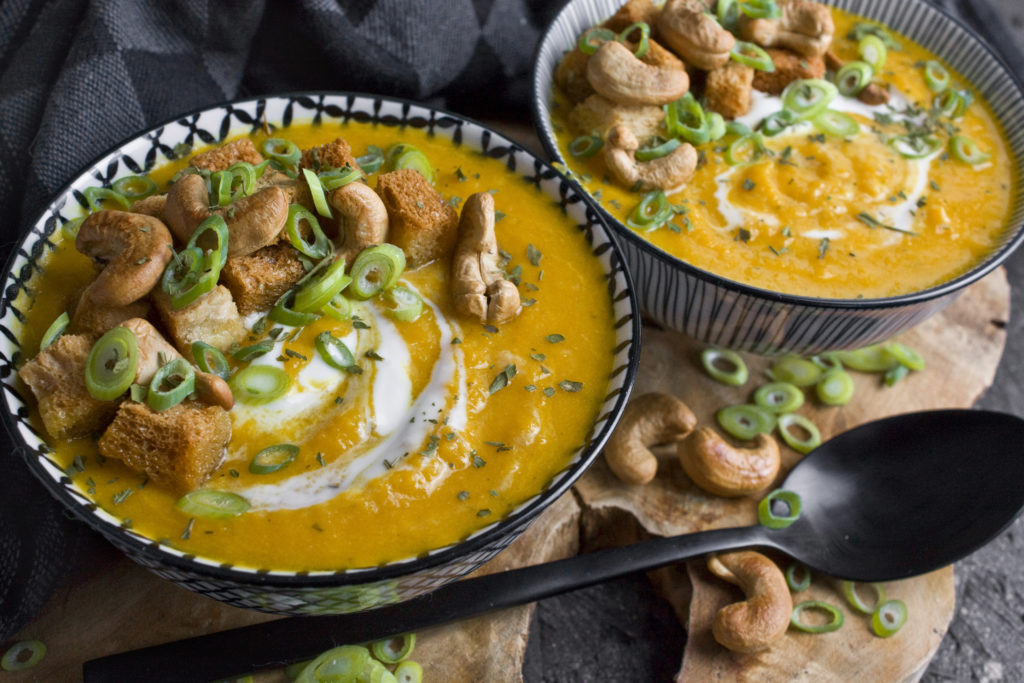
[233, 472]
[188, 528]
[483, 513]
[463, 495]
[320, 459]
[478, 462]
[570, 386]
[122, 495]
[823, 247]
[498, 215]
[530, 387]
[533, 255]
[373, 355]
[432, 446]
[359, 324]
[748, 184]
[539, 357]
[872, 222]
[555, 338]
[294, 354]
[502, 379]
[491, 329]
[549, 391]
[459, 175]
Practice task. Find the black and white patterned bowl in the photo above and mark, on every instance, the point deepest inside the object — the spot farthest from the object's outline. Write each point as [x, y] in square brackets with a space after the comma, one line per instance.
[320, 592]
[722, 312]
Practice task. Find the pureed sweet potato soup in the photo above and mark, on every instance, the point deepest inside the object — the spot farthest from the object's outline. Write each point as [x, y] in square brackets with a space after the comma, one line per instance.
[435, 426]
[900, 184]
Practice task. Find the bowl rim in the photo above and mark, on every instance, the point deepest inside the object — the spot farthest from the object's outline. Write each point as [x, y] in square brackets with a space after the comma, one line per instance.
[522, 514]
[542, 127]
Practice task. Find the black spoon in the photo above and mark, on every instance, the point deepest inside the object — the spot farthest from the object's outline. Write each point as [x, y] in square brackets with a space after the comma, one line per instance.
[887, 500]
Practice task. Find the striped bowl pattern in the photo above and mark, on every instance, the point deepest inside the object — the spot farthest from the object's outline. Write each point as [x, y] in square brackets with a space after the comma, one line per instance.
[323, 592]
[721, 312]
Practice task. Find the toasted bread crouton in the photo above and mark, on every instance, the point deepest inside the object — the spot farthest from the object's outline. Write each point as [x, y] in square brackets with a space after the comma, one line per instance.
[601, 115]
[258, 280]
[92, 319]
[632, 12]
[220, 158]
[178, 448]
[727, 89]
[335, 154]
[422, 223]
[789, 67]
[571, 75]
[57, 378]
[212, 318]
[150, 206]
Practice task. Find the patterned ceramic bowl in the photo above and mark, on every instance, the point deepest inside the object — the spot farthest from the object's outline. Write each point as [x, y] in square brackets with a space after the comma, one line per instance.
[726, 313]
[312, 592]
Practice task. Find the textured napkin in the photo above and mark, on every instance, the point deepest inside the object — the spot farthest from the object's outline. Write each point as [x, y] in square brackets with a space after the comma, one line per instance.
[77, 77]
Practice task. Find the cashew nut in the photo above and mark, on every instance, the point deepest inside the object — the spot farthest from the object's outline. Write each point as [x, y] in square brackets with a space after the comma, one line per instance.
[648, 420]
[695, 35]
[670, 172]
[763, 617]
[719, 468]
[805, 27]
[615, 73]
[253, 222]
[479, 287]
[362, 218]
[132, 249]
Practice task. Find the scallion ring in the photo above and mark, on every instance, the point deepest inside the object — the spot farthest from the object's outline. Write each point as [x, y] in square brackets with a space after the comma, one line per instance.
[334, 352]
[776, 122]
[320, 246]
[219, 228]
[855, 600]
[737, 128]
[936, 77]
[283, 313]
[834, 623]
[915, 146]
[657, 152]
[372, 160]
[318, 291]
[827, 360]
[965, 150]
[95, 196]
[752, 55]
[403, 303]
[745, 421]
[873, 51]
[867, 359]
[284, 151]
[799, 444]
[645, 37]
[586, 146]
[259, 384]
[946, 102]
[394, 650]
[409, 672]
[725, 366]
[273, 458]
[200, 279]
[685, 118]
[964, 100]
[70, 228]
[716, 126]
[651, 213]
[779, 397]
[404, 155]
[745, 149]
[253, 351]
[808, 97]
[836, 123]
[316, 189]
[343, 663]
[54, 331]
[728, 12]
[135, 187]
[761, 9]
[171, 384]
[23, 655]
[220, 188]
[375, 269]
[212, 504]
[835, 388]
[339, 177]
[210, 359]
[766, 509]
[853, 77]
[113, 360]
[889, 618]
[593, 39]
[244, 175]
[339, 308]
[795, 370]
[798, 577]
[904, 355]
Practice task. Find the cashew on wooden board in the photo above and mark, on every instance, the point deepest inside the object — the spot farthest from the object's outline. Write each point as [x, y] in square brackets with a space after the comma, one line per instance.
[648, 420]
[667, 173]
[720, 468]
[479, 287]
[615, 73]
[762, 618]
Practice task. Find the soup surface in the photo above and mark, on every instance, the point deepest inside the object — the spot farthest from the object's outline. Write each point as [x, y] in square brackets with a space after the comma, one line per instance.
[448, 424]
[833, 216]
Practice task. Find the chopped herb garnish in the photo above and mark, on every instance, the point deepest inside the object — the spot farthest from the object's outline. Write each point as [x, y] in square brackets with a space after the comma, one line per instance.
[338, 400]
[460, 175]
[359, 324]
[491, 329]
[539, 357]
[456, 340]
[742, 234]
[498, 215]
[555, 338]
[786, 232]
[450, 436]
[533, 255]
[872, 222]
[549, 391]
[478, 462]
[528, 302]
[188, 529]
[144, 259]
[122, 495]
[233, 472]
[454, 201]
[530, 387]
[432, 446]
[748, 185]
[570, 386]
[373, 355]
[483, 513]
[823, 247]
[934, 185]
[320, 459]
[503, 378]
[90, 486]
[294, 354]
[463, 495]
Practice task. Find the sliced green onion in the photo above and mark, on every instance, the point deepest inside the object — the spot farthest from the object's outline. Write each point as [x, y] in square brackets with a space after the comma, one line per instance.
[904, 355]
[801, 445]
[835, 388]
[586, 146]
[728, 12]
[651, 213]
[935, 76]
[662, 150]
[210, 359]
[376, 268]
[795, 570]
[273, 458]
[219, 228]
[745, 421]
[645, 37]
[318, 291]
[284, 151]
[769, 518]
[212, 504]
[864, 28]
[915, 146]
[70, 228]
[895, 374]
[344, 663]
[737, 128]
[404, 155]
[873, 51]
[23, 655]
[725, 366]
[113, 360]
[254, 351]
[779, 397]
[761, 9]
[316, 189]
[716, 125]
[283, 313]
[340, 177]
[259, 384]
[889, 618]
[171, 384]
[752, 55]
[867, 359]
[946, 102]
[827, 360]
[220, 184]
[95, 196]
[808, 97]
[775, 123]
[685, 118]
[593, 39]
[795, 370]
[836, 123]
[320, 247]
[201, 276]
[409, 672]
[745, 149]
[135, 187]
[854, 77]
[403, 303]
[834, 623]
[338, 308]
[964, 100]
[394, 650]
[853, 597]
[245, 175]
[372, 160]
[55, 329]
[964, 149]
[334, 352]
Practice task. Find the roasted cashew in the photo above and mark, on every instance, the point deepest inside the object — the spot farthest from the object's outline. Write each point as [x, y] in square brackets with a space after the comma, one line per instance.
[253, 222]
[805, 27]
[362, 218]
[479, 287]
[648, 420]
[615, 73]
[694, 35]
[723, 470]
[763, 617]
[670, 172]
[132, 249]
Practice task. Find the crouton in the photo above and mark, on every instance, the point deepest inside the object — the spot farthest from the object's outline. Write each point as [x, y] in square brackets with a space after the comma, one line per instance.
[335, 154]
[258, 280]
[150, 206]
[422, 223]
[153, 350]
[178, 448]
[789, 67]
[220, 158]
[212, 318]
[571, 76]
[599, 114]
[92, 319]
[632, 12]
[727, 89]
[57, 378]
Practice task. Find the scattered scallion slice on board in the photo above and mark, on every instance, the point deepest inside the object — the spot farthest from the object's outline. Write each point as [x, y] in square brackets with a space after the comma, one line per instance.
[850, 590]
[889, 618]
[798, 577]
[745, 421]
[725, 366]
[769, 517]
[801, 444]
[795, 370]
[834, 623]
[835, 388]
[779, 397]
[394, 650]
[23, 655]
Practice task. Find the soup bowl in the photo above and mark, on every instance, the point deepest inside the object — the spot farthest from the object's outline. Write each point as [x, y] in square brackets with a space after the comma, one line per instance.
[258, 584]
[725, 312]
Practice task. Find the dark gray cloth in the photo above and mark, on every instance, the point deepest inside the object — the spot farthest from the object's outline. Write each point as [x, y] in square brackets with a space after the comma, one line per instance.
[77, 77]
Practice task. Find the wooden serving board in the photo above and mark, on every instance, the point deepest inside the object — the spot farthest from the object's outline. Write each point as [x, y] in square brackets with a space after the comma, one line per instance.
[110, 604]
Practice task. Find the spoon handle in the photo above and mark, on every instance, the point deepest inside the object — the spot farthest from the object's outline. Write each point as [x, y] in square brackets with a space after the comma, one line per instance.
[281, 642]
